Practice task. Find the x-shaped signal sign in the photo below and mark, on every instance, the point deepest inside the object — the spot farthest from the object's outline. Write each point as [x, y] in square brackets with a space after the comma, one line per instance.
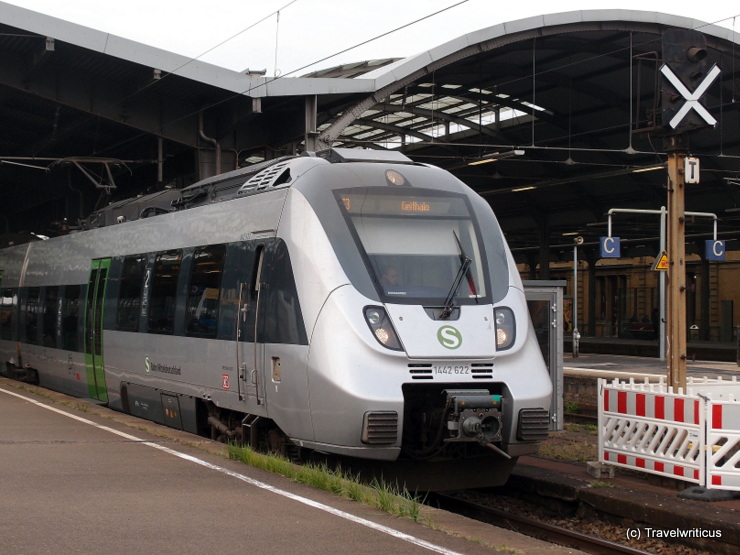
[692, 98]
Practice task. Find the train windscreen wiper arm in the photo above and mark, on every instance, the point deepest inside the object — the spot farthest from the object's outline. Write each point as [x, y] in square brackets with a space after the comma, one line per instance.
[468, 274]
[450, 300]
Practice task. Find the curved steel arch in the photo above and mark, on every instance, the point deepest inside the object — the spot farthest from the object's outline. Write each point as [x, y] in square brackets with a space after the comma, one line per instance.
[413, 69]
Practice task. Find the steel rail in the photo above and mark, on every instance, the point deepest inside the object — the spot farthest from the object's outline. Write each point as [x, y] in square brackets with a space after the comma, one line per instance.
[529, 526]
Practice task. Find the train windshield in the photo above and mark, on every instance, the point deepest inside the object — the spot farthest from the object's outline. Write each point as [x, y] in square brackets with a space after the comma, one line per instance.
[421, 246]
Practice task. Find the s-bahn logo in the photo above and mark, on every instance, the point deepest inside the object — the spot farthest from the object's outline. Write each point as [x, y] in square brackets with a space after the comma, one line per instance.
[449, 337]
[150, 366]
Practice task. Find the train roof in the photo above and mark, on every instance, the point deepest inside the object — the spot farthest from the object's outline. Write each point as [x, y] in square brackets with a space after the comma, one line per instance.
[258, 178]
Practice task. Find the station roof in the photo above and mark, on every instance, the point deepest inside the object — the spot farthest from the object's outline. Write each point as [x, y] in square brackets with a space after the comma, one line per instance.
[560, 108]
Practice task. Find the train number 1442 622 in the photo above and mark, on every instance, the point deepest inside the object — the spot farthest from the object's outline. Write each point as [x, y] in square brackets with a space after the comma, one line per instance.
[457, 369]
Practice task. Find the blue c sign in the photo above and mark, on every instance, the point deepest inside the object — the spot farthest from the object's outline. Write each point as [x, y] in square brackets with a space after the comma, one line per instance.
[610, 247]
[714, 250]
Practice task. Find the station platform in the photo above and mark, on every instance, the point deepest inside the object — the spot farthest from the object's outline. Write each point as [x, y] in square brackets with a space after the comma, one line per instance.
[79, 478]
[618, 365]
[726, 351]
[580, 375]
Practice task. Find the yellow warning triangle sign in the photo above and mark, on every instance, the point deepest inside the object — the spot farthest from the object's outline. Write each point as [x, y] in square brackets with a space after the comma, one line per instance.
[661, 263]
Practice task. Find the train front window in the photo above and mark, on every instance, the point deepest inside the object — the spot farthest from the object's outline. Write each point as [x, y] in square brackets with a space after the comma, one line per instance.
[416, 243]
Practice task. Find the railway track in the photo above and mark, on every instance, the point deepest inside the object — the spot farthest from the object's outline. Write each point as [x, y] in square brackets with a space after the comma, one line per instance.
[581, 418]
[530, 527]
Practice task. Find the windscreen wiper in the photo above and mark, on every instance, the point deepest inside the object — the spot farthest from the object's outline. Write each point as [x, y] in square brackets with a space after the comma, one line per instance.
[468, 273]
[450, 300]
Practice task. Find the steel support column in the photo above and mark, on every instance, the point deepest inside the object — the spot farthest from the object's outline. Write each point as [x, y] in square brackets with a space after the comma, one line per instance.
[311, 134]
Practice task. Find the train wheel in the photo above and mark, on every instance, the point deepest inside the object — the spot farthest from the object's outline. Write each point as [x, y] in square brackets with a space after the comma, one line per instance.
[279, 444]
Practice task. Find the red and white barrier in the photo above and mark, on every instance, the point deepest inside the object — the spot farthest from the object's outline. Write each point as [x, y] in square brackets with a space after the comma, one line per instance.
[723, 446]
[693, 436]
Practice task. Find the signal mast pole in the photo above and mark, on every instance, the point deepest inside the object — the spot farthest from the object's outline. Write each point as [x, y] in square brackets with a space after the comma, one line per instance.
[685, 81]
[676, 290]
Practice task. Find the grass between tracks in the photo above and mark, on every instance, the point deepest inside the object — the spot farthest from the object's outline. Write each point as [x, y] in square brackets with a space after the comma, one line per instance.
[378, 494]
[575, 443]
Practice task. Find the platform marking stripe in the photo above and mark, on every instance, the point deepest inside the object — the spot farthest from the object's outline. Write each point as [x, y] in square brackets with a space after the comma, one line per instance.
[262, 485]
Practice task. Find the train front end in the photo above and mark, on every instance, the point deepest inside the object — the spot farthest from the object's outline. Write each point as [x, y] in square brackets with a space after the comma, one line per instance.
[423, 347]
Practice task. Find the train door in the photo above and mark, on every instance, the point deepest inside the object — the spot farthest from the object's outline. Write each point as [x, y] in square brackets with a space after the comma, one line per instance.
[94, 329]
[250, 349]
[545, 303]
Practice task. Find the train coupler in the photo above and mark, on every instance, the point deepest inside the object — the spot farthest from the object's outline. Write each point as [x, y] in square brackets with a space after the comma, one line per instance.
[474, 415]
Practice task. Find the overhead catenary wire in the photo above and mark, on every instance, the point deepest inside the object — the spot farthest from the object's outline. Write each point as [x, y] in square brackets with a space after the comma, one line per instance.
[216, 46]
[373, 39]
[284, 75]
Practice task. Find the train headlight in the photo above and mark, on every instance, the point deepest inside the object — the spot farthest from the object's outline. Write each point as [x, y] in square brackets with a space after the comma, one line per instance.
[374, 316]
[395, 178]
[382, 335]
[377, 318]
[505, 328]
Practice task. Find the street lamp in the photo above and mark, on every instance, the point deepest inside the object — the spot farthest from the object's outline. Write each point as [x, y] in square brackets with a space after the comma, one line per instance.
[576, 334]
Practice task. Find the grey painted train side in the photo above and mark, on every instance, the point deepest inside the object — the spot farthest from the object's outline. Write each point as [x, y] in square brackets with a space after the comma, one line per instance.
[66, 261]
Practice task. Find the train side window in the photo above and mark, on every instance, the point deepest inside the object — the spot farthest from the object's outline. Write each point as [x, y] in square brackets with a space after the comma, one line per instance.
[204, 293]
[163, 295]
[7, 314]
[280, 308]
[248, 295]
[237, 267]
[51, 312]
[129, 296]
[31, 309]
[71, 317]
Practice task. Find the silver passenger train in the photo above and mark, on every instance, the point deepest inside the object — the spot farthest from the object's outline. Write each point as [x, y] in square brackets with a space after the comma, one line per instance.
[352, 303]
